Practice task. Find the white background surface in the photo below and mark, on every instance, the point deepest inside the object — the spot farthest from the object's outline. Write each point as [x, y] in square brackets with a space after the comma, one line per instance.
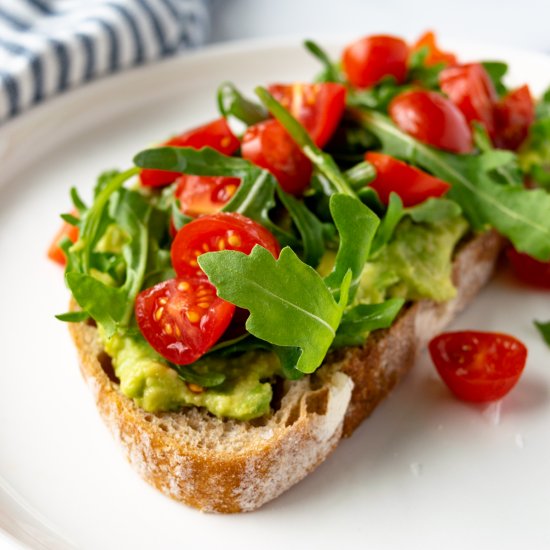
[524, 23]
[424, 472]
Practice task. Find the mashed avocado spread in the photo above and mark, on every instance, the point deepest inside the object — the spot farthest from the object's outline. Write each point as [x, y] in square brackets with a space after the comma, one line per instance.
[146, 377]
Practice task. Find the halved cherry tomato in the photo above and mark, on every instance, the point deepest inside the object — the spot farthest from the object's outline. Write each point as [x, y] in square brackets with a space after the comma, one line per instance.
[529, 270]
[514, 115]
[222, 231]
[268, 145]
[370, 59]
[410, 183]
[202, 195]
[319, 107]
[471, 90]
[433, 119]
[216, 134]
[435, 55]
[478, 366]
[66, 230]
[182, 318]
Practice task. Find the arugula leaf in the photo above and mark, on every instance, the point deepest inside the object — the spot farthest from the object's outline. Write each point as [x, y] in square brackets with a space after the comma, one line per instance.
[73, 317]
[202, 377]
[360, 174]
[331, 72]
[544, 329]
[427, 76]
[232, 103]
[289, 303]
[378, 97]
[518, 213]
[393, 216]
[356, 225]
[323, 162]
[496, 71]
[362, 319]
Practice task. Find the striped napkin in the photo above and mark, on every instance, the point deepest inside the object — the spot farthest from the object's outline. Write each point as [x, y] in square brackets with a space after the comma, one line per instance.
[48, 46]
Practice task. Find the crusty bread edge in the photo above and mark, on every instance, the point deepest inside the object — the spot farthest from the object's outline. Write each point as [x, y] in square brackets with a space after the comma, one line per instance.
[278, 455]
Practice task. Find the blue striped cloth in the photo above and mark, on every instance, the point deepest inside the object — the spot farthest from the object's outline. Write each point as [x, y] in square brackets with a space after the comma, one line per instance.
[48, 46]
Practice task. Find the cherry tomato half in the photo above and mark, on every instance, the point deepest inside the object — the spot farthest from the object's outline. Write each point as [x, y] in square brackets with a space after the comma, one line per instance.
[410, 183]
[478, 366]
[66, 230]
[370, 59]
[182, 318]
[318, 107]
[435, 55]
[202, 195]
[222, 231]
[216, 134]
[471, 90]
[529, 270]
[514, 115]
[268, 145]
[432, 119]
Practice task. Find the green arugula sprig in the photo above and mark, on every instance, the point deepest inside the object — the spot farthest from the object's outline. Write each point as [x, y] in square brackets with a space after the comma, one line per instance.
[517, 213]
[231, 103]
[544, 329]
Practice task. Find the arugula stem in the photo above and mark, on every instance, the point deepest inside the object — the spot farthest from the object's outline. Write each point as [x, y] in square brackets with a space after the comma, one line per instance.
[322, 161]
[92, 218]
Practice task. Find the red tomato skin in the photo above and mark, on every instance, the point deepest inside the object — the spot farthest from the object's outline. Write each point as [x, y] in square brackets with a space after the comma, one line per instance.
[435, 55]
[529, 270]
[413, 185]
[66, 230]
[268, 145]
[318, 107]
[470, 88]
[215, 134]
[203, 195]
[221, 231]
[182, 318]
[370, 59]
[478, 366]
[432, 119]
[514, 115]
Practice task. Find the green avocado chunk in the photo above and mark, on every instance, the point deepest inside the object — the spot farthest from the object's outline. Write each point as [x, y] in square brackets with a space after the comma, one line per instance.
[146, 377]
[416, 264]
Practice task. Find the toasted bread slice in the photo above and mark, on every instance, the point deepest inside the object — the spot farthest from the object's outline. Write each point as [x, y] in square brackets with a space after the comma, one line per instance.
[232, 466]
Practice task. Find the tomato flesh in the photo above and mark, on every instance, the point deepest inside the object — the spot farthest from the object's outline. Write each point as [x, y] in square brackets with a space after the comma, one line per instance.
[478, 366]
[471, 90]
[65, 231]
[370, 59]
[222, 231]
[514, 115]
[413, 185]
[202, 195]
[319, 107]
[268, 145]
[182, 318]
[530, 271]
[435, 55]
[432, 119]
[215, 134]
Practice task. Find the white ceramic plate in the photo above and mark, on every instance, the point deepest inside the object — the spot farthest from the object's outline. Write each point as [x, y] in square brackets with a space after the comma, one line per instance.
[425, 471]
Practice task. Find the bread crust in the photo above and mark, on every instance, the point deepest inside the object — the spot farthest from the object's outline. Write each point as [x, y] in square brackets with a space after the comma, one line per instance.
[228, 466]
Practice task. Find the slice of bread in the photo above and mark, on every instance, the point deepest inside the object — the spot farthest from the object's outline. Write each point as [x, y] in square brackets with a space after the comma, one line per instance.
[230, 466]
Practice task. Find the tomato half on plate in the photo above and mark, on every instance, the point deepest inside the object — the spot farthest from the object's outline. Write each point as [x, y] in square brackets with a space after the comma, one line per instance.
[435, 54]
[65, 231]
[531, 271]
[370, 59]
[202, 195]
[432, 119]
[268, 145]
[470, 88]
[182, 318]
[319, 107]
[514, 115]
[222, 231]
[215, 134]
[411, 184]
[478, 366]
